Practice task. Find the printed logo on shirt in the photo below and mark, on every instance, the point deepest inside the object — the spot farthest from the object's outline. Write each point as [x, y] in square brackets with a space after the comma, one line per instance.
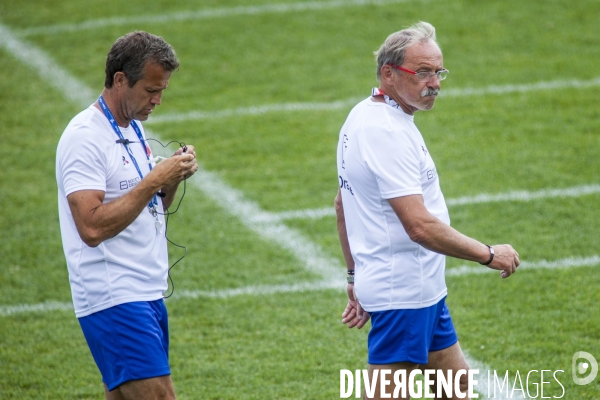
[432, 173]
[344, 147]
[344, 184]
[424, 149]
[129, 183]
[125, 162]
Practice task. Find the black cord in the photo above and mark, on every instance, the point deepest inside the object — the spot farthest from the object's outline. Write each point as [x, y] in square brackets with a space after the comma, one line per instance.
[182, 145]
[167, 213]
[180, 258]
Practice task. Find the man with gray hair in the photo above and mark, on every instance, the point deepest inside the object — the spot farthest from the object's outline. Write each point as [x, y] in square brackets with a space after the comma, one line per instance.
[393, 221]
[112, 199]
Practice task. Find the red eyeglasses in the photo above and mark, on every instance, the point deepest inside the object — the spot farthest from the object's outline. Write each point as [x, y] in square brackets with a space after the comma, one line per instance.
[425, 76]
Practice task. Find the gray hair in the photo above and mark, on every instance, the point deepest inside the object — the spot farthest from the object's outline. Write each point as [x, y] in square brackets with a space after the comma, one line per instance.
[393, 50]
[130, 53]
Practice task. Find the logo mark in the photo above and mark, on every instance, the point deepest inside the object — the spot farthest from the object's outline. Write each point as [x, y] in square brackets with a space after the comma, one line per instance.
[344, 148]
[432, 173]
[583, 366]
[344, 184]
[125, 162]
[129, 183]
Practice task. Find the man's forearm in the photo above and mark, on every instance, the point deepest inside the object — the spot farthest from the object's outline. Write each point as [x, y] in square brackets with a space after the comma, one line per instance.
[97, 222]
[442, 238]
[433, 234]
[342, 233]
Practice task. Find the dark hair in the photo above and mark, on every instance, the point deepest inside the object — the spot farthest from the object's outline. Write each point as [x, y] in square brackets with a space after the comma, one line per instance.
[130, 53]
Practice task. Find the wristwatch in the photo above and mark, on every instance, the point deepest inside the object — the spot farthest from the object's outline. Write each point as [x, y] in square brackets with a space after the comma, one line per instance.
[491, 256]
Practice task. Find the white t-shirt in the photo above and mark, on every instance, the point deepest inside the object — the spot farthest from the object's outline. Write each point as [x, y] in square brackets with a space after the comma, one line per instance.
[131, 266]
[381, 155]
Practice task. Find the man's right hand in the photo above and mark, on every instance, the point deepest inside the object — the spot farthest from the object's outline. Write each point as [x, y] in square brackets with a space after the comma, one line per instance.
[506, 259]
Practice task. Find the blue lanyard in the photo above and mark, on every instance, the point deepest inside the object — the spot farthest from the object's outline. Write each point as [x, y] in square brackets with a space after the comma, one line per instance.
[154, 202]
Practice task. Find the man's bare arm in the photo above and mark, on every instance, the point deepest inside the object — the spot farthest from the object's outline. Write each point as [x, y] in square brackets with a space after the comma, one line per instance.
[431, 233]
[353, 315]
[341, 228]
[97, 222]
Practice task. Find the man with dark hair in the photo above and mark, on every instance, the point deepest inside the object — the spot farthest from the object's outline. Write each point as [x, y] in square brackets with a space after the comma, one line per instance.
[393, 222]
[112, 198]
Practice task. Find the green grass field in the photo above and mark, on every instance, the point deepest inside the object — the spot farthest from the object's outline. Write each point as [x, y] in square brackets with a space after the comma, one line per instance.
[254, 315]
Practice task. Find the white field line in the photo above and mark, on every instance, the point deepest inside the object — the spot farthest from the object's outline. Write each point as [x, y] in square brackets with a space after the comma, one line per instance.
[40, 307]
[522, 88]
[570, 262]
[520, 195]
[257, 290]
[348, 103]
[311, 213]
[257, 110]
[202, 14]
[456, 272]
[46, 68]
[523, 195]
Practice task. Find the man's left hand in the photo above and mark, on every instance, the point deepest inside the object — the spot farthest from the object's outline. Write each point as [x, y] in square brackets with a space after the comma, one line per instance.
[188, 150]
[506, 260]
[354, 315]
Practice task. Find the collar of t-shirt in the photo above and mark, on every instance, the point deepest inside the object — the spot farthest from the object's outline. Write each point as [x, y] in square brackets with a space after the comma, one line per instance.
[388, 100]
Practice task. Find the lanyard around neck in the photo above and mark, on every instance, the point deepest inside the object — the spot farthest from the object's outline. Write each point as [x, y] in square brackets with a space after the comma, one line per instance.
[154, 202]
[388, 100]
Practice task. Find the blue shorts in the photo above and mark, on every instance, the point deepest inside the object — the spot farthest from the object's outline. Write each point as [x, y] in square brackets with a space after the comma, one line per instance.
[129, 341]
[408, 335]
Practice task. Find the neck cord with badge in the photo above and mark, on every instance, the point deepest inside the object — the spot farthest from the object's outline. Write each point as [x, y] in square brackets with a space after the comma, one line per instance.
[154, 202]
